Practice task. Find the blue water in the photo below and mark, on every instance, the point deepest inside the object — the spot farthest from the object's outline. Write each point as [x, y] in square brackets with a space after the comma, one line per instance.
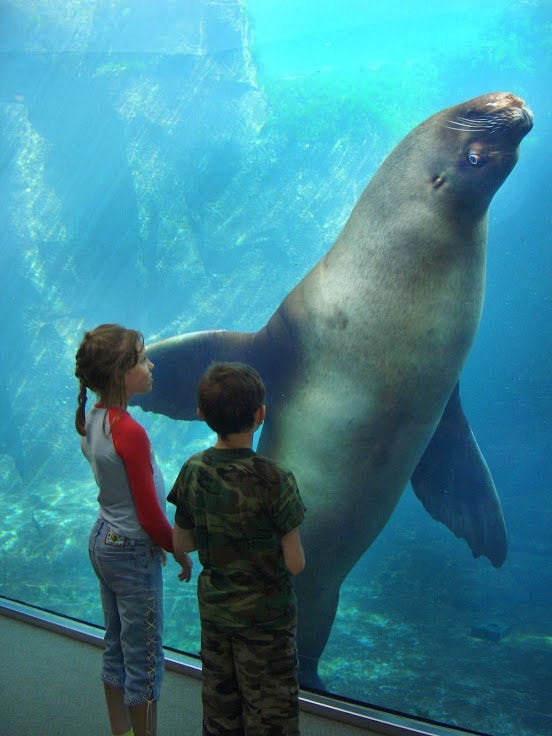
[181, 166]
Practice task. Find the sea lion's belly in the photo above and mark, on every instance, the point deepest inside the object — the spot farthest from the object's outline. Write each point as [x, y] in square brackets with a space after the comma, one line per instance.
[374, 372]
[352, 455]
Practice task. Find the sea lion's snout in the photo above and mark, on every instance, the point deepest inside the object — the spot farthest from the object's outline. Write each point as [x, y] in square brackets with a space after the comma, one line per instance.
[499, 100]
[527, 116]
[511, 111]
[518, 122]
[500, 115]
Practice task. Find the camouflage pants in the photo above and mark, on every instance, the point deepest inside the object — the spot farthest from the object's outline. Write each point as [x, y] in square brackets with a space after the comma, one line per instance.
[249, 682]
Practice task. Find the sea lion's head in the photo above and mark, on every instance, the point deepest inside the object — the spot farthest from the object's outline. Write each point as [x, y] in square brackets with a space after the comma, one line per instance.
[476, 147]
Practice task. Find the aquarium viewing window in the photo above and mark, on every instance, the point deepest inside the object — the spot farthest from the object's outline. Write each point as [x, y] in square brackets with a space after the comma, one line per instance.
[179, 167]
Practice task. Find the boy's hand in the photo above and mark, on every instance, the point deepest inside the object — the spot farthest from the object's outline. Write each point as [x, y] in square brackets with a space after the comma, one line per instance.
[185, 562]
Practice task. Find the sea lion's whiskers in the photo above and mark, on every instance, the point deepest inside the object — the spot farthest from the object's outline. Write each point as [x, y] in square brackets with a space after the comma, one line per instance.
[476, 125]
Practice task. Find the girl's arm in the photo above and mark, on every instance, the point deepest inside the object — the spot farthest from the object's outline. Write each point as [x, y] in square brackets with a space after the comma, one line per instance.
[132, 444]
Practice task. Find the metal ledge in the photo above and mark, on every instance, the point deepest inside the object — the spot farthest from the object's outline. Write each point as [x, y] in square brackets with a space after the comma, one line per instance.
[373, 720]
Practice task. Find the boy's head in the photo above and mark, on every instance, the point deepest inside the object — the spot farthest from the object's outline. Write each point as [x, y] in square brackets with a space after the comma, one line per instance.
[228, 396]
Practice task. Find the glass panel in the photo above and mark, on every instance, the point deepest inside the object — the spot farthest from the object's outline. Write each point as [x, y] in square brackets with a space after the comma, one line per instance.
[178, 167]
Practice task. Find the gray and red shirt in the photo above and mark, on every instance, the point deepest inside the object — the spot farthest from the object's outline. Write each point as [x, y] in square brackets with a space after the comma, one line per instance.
[132, 492]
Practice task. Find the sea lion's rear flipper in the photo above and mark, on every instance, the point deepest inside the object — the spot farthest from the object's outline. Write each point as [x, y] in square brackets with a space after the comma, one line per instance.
[454, 483]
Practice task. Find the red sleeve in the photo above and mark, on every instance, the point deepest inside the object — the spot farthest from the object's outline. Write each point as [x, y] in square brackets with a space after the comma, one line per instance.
[132, 444]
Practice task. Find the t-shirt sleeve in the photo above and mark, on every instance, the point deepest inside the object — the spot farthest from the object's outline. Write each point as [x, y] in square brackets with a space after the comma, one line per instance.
[182, 517]
[289, 510]
[132, 444]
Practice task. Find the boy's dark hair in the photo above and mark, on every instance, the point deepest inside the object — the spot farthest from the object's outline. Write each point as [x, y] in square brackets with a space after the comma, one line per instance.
[228, 395]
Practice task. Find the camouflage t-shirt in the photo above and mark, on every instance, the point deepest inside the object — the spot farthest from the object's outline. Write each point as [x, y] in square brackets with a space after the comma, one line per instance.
[240, 505]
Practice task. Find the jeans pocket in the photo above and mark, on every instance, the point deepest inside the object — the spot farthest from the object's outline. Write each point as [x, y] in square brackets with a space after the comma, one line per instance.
[120, 568]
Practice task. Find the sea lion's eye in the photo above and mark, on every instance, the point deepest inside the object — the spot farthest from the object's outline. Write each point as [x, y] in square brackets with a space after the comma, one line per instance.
[475, 158]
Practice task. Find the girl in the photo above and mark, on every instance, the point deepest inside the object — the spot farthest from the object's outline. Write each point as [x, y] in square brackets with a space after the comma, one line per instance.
[127, 541]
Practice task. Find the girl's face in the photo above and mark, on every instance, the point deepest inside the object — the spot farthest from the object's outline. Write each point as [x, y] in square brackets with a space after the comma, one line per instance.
[138, 380]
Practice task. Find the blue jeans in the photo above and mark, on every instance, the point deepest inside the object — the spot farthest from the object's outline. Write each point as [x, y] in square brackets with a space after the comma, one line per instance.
[131, 586]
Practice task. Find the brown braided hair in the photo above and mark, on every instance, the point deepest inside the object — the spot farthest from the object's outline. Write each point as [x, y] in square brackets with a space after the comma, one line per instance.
[105, 354]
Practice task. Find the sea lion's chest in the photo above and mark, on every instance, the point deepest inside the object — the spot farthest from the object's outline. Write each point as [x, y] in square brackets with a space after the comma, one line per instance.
[392, 319]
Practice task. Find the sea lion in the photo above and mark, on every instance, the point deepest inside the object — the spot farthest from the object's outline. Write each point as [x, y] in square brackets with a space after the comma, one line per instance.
[362, 358]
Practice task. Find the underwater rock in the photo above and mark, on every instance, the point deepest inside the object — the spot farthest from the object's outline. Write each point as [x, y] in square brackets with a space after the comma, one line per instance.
[490, 631]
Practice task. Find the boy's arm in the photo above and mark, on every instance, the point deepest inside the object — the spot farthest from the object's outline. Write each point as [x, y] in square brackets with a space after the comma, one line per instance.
[294, 557]
[184, 541]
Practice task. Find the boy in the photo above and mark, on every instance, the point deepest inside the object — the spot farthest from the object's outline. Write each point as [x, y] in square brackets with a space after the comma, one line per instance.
[241, 512]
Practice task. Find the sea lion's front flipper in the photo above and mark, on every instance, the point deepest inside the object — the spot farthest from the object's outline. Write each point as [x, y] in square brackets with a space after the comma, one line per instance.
[179, 362]
[454, 483]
